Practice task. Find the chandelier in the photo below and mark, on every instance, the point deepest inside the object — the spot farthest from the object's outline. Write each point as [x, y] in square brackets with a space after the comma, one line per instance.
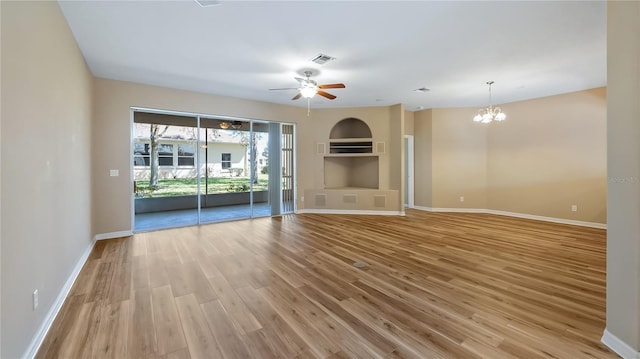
[236, 125]
[489, 114]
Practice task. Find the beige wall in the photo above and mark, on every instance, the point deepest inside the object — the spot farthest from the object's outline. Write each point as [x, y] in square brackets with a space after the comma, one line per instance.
[396, 149]
[0, 188]
[46, 177]
[408, 122]
[623, 151]
[422, 131]
[459, 159]
[550, 154]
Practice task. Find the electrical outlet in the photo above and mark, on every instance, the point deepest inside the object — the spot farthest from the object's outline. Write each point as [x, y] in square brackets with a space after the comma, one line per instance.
[302, 199]
[35, 299]
[461, 198]
[574, 208]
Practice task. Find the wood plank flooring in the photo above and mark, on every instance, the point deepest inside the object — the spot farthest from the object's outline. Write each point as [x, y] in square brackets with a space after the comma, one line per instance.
[435, 285]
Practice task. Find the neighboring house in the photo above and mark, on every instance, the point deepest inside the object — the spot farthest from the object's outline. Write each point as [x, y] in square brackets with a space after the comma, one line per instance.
[177, 159]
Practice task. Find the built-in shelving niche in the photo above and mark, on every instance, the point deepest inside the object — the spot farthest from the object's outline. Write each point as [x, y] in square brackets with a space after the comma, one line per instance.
[351, 162]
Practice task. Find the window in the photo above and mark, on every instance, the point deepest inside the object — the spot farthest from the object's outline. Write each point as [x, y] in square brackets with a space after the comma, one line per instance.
[226, 160]
[165, 154]
[186, 155]
[141, 154]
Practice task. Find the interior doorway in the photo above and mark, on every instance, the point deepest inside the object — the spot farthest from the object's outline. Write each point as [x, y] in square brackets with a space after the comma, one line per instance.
[408, 169]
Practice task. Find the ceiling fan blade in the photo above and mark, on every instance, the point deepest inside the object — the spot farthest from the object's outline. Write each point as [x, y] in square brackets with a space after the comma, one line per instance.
[332, 86]
[297, 96]
[284, 88]
[326, 94]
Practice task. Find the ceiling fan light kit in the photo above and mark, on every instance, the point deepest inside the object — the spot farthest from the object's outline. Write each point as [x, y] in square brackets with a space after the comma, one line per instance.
[309, 91]
[309, 88]
[491, 113]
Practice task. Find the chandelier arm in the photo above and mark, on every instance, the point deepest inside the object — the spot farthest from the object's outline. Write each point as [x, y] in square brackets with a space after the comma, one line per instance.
[490, 113]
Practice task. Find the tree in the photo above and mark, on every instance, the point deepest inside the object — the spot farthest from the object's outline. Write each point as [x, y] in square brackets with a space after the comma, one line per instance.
[246, 140]
[254, 158]
[154, 136]
[265, 169]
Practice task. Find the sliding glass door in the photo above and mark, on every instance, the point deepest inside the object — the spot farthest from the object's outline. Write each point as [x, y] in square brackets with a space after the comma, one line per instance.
[209, 169]
[165, 171]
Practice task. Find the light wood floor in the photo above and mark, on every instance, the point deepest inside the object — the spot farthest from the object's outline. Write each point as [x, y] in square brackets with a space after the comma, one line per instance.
[435, 286]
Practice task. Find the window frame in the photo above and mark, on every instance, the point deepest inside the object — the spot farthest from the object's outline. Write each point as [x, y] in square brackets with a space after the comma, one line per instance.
[223, 161]
[192, 156]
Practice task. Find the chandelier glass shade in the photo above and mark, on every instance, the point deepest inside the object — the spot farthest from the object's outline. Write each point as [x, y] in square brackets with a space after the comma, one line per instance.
[236, 125]
[491, 113]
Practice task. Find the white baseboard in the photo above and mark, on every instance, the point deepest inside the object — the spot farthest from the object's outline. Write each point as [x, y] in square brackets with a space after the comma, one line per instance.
[513, 214]
[101, 236]
[452, 210]
[349, 211]
[621, 348]
[37, 339]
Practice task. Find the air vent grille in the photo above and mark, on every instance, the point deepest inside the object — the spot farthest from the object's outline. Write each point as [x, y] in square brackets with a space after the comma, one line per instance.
[322, 59]
[207, 3]
[379, 201]
[321, 200]
[350, 198]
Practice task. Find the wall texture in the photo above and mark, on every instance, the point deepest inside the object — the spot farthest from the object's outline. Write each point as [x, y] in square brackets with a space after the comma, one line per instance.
[422, 131]
[46, 177]
[548, 155]
[623, 202]
[408, 122]
[459, 159]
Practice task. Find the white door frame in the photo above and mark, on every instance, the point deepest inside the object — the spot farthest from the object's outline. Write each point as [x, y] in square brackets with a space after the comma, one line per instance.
[409, 171]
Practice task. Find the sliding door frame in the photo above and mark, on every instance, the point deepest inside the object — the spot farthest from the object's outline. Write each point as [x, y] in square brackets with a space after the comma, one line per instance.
[198, 116]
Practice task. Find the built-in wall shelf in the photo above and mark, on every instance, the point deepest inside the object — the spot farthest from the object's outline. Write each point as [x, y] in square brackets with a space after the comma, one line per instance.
[351, 147]
[349, 188]
[355, 139]
[352, 155]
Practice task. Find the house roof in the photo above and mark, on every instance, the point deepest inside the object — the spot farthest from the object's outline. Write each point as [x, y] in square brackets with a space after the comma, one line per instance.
[384, 49]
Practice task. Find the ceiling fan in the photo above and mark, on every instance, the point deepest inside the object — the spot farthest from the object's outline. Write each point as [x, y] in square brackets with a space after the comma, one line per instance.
[309, 88]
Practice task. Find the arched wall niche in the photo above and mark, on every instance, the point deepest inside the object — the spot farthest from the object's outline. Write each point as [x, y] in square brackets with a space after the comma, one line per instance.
[350, 127]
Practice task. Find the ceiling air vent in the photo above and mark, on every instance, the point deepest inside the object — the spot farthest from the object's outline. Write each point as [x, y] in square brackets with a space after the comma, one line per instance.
[422, 89]
[322, 59]
[207, 3]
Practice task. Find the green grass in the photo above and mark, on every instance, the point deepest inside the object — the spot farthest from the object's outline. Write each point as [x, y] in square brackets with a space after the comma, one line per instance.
[189, 186]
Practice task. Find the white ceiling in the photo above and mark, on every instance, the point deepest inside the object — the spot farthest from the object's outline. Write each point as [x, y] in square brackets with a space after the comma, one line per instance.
[384, 49]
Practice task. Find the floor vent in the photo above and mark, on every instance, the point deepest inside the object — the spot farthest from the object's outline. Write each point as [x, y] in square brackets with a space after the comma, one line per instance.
[350, 198]
[321, 200]
[360, 264]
